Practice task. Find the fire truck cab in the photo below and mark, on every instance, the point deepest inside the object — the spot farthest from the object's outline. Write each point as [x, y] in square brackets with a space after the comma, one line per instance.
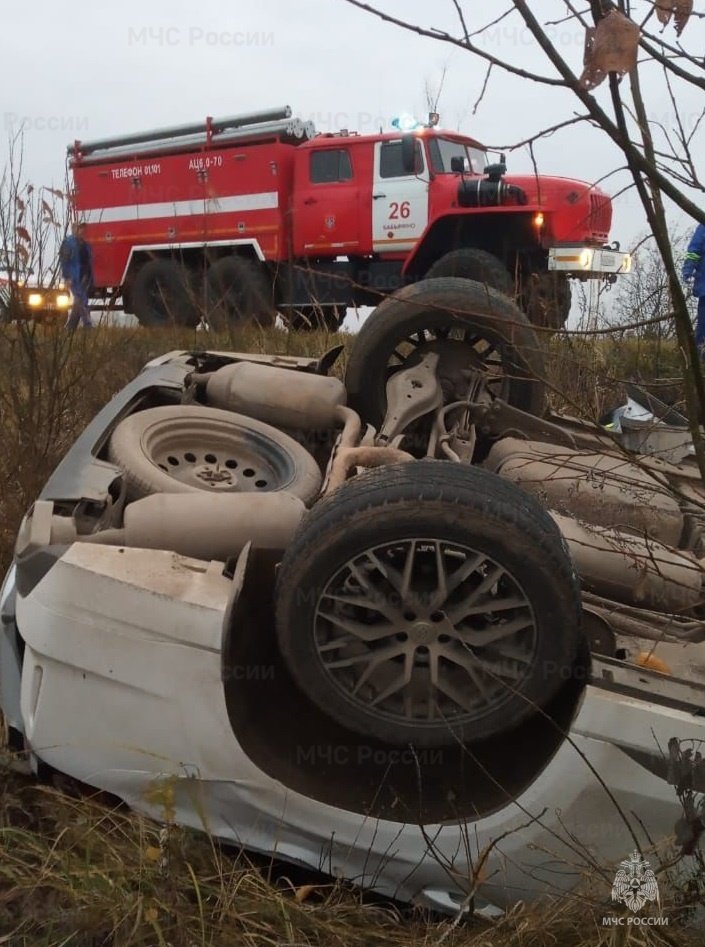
[251, 215]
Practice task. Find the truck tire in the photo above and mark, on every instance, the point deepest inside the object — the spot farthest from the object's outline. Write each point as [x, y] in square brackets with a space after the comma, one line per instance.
[162, 295]
[427, 603]
[238, 293]
[546, 299]
[432, 310]
[474, 264]
[191, 448]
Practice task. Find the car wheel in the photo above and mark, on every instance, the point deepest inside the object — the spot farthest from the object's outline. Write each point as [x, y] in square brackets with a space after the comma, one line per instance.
[189, 448]
[479, 265]
[427, 603]
[162, 295]
[472, 327]
[237, 294]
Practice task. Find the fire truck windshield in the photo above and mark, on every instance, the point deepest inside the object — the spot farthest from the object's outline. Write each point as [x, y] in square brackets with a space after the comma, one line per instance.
[444, 149]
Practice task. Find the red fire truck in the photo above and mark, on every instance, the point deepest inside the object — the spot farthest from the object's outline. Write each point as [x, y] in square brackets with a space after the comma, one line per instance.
[249, 215]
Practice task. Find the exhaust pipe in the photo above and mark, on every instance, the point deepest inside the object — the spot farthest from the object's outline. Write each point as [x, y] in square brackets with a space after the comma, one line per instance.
[278, 396]
[201, 526]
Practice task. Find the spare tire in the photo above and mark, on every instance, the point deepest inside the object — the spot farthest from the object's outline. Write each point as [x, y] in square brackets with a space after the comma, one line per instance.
[427, 603]
[189, 448]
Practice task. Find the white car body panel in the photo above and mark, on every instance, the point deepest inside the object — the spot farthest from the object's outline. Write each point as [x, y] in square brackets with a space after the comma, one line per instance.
[123, 652]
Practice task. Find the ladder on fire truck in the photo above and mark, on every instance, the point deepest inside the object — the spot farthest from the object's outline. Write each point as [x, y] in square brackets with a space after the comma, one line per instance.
[275, 123]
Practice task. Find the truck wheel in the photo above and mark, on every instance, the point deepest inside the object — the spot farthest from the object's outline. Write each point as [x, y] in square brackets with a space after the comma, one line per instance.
[162, 295]
[427, 603]
[472, 326]
[546, 299]
[189, 448]
[237, 293]
[474, 264]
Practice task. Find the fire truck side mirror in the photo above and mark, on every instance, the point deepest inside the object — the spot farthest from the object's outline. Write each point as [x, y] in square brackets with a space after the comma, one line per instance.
[457, 164]
[408, 154]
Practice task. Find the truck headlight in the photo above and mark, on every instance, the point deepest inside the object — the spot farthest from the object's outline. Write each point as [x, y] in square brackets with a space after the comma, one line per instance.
[35, 300]
[586, 256]
[63, 301]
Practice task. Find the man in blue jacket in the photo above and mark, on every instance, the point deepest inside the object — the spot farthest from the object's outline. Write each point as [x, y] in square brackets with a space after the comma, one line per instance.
[694, 268]
[76, 259]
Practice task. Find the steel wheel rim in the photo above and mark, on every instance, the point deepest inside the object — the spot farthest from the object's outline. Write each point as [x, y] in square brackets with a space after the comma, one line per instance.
[425, 632]
[221, 459]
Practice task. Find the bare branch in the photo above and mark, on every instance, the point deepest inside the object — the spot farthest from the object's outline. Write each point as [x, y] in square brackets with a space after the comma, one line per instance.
[464, 43]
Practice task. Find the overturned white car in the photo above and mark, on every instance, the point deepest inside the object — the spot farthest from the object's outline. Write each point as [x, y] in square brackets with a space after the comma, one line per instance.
[394, 627]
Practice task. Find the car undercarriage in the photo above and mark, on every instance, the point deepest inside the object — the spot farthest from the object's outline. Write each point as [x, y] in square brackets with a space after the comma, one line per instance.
[373, 621]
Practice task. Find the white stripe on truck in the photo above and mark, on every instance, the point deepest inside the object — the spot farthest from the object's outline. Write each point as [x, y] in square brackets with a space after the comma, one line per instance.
[268, 200]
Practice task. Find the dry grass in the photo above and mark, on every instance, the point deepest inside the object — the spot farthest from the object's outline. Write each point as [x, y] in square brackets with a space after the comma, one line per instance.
[586, 374]
[78, 871]
[75, 870]
[82, 872]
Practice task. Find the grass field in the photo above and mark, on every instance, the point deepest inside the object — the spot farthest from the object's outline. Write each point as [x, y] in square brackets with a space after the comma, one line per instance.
[77, 871]
[80, 871]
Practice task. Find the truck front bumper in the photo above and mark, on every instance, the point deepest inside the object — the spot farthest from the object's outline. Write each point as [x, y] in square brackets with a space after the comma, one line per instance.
[589, 262]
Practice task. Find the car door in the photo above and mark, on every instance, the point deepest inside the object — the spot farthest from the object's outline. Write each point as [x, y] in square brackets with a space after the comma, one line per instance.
[399, 198]
[326, 204]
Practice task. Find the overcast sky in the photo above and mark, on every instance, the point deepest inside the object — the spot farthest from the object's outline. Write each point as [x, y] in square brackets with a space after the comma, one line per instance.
[85, 70]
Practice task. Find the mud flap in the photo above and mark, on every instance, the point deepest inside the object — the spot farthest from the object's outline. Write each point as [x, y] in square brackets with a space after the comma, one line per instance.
[249, 604]
[236, 569]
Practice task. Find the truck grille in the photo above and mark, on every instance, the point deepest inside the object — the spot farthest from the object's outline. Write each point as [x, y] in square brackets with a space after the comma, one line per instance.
[600, 215]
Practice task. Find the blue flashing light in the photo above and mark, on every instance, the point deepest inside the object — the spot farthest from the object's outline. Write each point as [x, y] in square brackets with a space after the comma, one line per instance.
[405, 123]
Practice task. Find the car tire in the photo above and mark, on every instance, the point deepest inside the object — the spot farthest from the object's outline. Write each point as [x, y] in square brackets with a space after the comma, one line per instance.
[237, 294]
[443, 304]
[162, 295]
[189, 448]
[473, 264]
[341, 605]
